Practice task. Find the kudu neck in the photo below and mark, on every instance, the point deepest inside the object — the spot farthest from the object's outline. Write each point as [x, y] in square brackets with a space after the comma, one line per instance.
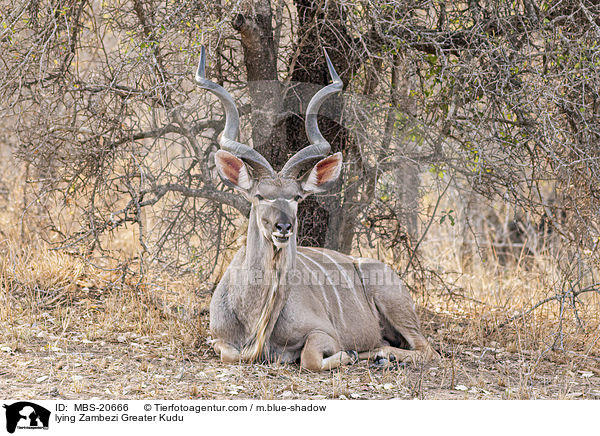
[267, 296]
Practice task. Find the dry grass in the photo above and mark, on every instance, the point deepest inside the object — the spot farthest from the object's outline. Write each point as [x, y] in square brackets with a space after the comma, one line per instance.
[69, 329]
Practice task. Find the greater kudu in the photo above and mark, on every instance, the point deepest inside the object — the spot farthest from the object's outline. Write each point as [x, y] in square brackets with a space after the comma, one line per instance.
[280, 302]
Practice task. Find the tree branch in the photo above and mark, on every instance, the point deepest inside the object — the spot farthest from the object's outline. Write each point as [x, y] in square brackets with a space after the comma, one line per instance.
[207, 192]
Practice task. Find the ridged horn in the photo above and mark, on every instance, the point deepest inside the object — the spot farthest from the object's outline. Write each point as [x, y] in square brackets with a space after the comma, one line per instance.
[319, 147]
[228, 137]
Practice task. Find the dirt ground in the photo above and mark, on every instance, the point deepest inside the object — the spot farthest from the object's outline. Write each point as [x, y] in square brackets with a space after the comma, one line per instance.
[80, 354]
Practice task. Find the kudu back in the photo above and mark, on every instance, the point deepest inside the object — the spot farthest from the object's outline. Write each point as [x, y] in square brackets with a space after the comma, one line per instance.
[280, 302]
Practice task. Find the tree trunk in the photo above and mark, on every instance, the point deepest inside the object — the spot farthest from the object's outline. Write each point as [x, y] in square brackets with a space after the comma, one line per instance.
[321, 220]
[260, 58]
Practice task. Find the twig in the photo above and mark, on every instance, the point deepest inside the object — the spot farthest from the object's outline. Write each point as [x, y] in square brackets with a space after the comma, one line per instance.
[437, 203]
[558, 297]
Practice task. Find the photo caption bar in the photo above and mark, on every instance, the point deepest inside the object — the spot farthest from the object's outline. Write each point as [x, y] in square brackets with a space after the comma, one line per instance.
[259, 417]
[67, 417]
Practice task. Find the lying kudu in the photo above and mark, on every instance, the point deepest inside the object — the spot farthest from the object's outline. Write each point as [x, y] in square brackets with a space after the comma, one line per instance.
[280, 302]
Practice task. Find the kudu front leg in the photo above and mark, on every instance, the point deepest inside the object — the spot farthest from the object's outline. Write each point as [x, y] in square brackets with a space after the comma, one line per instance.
[315, 347]
[421, 354]
[227, 353]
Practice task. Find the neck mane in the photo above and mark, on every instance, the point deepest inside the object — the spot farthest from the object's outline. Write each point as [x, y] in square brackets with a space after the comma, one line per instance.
[269, 266]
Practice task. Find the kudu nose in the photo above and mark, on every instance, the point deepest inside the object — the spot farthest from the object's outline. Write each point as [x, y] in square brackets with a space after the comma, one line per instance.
[283, 228]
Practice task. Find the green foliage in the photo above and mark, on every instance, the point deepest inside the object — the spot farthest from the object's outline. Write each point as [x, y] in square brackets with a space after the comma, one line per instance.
[447, 214]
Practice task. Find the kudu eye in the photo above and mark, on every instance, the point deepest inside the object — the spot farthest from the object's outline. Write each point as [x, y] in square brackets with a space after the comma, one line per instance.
[259, 197]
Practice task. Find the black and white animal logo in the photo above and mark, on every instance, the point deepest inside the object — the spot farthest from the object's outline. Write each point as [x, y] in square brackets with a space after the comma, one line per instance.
[24, 414]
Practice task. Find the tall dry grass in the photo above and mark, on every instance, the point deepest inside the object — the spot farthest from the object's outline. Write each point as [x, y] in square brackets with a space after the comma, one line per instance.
[71, 295]
[509, 295]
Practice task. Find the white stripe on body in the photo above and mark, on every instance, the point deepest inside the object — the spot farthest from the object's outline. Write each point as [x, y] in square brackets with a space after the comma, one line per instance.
[337, 296]
[343, 271]
[320, 284]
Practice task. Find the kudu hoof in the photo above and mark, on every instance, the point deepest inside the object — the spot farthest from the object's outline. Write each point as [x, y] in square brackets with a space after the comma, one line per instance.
[353, 356]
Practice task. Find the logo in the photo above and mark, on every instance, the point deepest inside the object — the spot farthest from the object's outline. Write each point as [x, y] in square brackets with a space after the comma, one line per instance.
[26, 415]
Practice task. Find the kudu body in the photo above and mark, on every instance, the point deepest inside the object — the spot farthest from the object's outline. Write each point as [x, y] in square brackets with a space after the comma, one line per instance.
[280, 302]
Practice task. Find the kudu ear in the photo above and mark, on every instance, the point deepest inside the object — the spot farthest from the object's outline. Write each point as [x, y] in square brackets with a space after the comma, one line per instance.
[232, 170]
[323, 175]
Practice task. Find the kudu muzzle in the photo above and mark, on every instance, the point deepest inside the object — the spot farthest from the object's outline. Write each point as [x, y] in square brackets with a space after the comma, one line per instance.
[277, 220]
